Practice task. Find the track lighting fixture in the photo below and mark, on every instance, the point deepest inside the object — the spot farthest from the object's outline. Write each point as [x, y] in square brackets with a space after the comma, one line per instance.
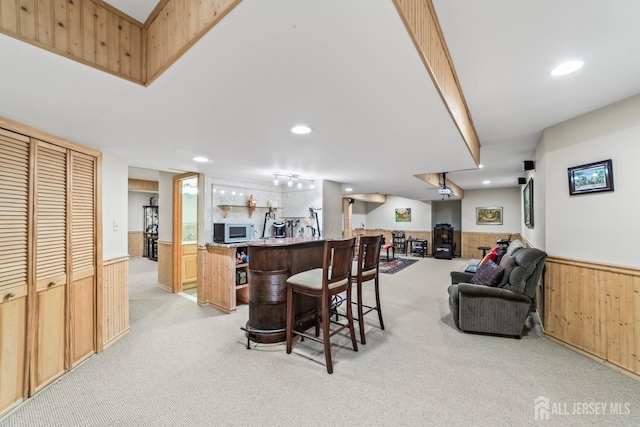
[300, 182]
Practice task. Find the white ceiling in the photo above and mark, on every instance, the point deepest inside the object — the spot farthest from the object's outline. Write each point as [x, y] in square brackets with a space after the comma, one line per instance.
[350, 71]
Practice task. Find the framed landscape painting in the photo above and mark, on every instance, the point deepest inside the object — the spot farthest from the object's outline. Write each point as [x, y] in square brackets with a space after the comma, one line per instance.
[403, 214]
[591, 178]
[489, 216]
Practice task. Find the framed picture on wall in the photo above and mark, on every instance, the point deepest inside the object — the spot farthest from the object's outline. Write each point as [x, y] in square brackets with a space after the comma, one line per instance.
[403, 214]
[527, 201]
[489, 216]
[591, 178]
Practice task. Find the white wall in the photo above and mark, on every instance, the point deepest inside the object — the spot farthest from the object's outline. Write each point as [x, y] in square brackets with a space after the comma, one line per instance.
[599, 227]
[359, 214]
[508, 198]
[165, 206]
[114, 206]
[447, 212]
[384, 216]
[137, 200]
[536, 235]
[290, 203]
[331, 210]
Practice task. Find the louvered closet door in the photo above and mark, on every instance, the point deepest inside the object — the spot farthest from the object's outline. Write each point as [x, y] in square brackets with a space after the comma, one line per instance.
[83, 264]
[14, 230]
[51, 268]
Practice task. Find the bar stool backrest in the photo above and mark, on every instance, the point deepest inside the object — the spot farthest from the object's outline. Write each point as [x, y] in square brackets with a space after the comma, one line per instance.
[337, 262]
[369, 255]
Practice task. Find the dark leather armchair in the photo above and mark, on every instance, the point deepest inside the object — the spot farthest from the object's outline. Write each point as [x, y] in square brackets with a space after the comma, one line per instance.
[498, 310]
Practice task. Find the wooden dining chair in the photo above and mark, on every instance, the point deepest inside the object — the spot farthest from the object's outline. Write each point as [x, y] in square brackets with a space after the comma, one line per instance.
[365, 269]
[322, 284]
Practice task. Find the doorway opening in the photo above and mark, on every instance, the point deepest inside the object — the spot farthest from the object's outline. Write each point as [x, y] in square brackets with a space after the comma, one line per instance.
[185, 234]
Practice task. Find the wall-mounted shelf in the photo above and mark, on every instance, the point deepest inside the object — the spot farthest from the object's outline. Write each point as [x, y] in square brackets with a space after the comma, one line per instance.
[226, 208]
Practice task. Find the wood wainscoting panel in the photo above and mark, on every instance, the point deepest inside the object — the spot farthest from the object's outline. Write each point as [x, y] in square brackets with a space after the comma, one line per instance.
[471, 241]
[115, 291]
[165, 265]
[595, 308]
[388, 236]
[136, 243]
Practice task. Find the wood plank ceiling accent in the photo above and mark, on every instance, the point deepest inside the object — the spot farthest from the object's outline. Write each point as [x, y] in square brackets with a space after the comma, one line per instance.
[435, 180]
[420, 19]
[97, 34]
[88, 31]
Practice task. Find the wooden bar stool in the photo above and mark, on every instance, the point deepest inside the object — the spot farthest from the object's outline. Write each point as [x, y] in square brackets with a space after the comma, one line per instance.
[367, 268]
[323, 283]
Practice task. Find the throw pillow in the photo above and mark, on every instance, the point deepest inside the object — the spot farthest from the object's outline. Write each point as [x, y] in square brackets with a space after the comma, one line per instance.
[488, 274]
[499, 254]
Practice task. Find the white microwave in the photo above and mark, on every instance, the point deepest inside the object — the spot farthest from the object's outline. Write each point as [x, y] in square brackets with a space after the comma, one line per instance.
[233, 233]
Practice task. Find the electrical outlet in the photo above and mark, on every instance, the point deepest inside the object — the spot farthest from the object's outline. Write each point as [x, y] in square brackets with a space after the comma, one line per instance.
[116, 226]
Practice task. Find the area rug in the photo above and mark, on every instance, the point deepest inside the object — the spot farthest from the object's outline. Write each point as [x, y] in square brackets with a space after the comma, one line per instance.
[395, 265]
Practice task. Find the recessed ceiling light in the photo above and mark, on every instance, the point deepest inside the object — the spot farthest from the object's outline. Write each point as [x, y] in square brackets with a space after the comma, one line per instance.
[200, 159]
[486, 182]
[567, 67]
[480, 166]
[301, 129]
[348, 189]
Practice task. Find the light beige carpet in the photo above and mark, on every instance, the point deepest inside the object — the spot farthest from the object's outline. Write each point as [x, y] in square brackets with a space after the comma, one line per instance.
[185, 365]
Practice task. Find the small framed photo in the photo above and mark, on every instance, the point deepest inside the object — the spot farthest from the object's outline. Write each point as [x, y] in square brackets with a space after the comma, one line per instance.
[489, 216]
[593, 177]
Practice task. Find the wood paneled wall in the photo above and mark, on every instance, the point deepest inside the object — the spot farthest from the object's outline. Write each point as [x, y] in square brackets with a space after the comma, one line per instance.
[136, 243]
[115, 290]
[472, 240]
[88, 31]
[422, 24]
[175, 26]
[142, 185]
[165, 265]
[595, 308]
[418, 234]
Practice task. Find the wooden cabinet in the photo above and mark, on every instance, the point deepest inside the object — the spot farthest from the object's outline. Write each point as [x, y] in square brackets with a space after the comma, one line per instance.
[189, 268]
[48, 263]
[220, 286]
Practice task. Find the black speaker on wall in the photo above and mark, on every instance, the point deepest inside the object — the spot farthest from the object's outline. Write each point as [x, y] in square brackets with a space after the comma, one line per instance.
[522, 181]
[528, 165]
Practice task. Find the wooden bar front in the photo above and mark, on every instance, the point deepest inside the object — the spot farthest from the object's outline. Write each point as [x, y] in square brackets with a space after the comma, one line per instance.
[271, 263]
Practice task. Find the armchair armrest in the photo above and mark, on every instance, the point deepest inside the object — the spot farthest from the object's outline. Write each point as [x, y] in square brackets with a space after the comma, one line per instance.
[460, 277]
[469, 289]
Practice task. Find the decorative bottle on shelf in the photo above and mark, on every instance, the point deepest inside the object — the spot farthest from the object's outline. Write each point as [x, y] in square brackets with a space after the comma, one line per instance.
[252, 202]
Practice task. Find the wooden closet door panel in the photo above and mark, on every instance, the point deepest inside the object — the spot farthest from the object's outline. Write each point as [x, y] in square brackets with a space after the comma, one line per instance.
[14, 246]
[14, 203]
[48, 361]
[13, 334]
[50, 338]
[83, 326]
[83, 257]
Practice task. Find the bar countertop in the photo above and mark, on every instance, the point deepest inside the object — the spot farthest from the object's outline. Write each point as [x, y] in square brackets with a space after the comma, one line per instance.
[285, 241]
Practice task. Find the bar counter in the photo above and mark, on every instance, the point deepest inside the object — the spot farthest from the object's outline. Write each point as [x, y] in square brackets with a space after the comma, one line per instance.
[271, 263]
